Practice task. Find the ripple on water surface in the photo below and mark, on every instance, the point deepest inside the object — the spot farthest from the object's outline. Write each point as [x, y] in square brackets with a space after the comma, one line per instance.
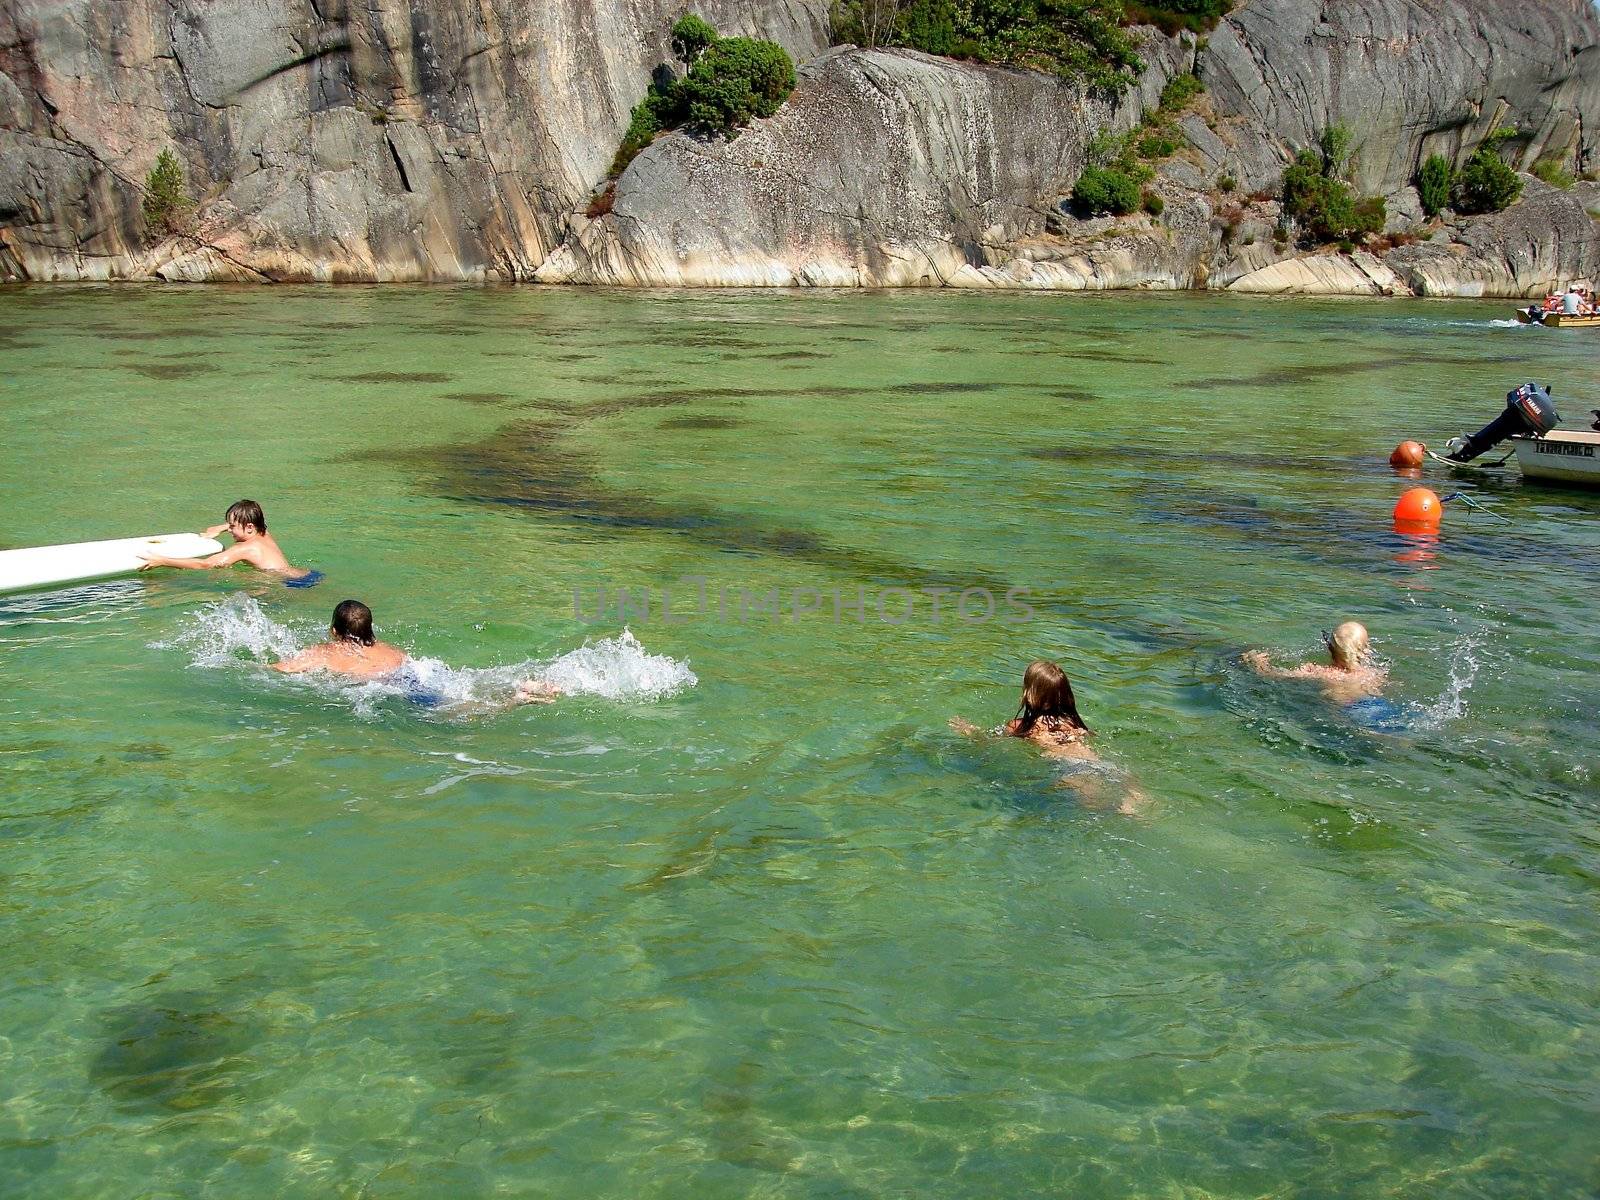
[741, 913]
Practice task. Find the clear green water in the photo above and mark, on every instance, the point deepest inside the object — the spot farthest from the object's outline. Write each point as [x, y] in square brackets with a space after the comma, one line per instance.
[781, 933]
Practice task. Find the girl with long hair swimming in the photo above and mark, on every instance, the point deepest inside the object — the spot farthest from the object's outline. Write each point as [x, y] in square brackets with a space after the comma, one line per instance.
[1048, 717]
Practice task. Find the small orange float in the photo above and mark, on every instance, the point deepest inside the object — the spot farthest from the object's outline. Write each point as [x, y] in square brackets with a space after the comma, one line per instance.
[1417, 511]
[1407, 454]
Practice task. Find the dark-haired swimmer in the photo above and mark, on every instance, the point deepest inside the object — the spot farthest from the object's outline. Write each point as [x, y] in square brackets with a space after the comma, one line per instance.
[1048, 717]
[252, 544]
[352, 649]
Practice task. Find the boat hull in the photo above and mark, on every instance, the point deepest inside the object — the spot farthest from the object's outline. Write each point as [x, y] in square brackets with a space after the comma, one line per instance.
[1563, 321]
[1566, 456]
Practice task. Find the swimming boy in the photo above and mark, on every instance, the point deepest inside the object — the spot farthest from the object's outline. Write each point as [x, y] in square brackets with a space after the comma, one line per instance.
[1348, 679]
[354, 651]
[352, 648]
[252, 544]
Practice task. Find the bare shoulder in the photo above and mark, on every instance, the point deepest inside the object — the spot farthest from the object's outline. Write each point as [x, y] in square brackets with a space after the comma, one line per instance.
[391, 658]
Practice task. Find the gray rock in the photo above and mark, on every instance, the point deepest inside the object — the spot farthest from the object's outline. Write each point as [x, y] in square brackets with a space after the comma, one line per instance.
[437, 139]
[885, 168]
[397, 139]
[1543, 241]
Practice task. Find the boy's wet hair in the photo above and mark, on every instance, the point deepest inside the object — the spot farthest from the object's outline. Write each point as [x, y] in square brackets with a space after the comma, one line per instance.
[352, 622]
[247, 512]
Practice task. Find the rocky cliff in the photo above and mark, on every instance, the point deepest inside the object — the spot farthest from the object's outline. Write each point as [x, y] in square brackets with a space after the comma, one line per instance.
[891, 168]
[437, 139]
[387, 140]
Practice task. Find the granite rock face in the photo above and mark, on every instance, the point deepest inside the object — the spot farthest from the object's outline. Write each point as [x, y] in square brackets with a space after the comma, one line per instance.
[885, 168]
[442, 140]
[395, 139]
[891, 168]
[1409, 78]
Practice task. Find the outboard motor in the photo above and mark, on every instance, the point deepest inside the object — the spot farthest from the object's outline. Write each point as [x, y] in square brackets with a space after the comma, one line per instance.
[1528, 410]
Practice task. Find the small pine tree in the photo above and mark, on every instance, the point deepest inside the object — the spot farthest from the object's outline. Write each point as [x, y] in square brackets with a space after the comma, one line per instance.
[1434, 182]
[1486, 184]
[166, 204]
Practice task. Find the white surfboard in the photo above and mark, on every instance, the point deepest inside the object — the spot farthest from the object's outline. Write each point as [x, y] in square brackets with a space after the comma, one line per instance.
[46, 566]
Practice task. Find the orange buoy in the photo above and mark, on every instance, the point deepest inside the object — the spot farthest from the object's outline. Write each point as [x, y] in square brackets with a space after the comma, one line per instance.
[1417, 510]
[1407, 454]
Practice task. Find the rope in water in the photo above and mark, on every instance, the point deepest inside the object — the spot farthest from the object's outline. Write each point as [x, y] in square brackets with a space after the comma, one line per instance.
[1472, 504]
[1466, 466]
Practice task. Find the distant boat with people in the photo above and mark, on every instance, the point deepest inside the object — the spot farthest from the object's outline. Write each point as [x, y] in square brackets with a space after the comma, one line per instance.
[1572, 309]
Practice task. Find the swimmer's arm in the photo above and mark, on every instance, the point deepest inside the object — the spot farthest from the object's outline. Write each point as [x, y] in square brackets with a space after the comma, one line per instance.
[306, 660]
[223, 558]
[536, 691]
[213, 531]
[1258, 662]
[963, 726]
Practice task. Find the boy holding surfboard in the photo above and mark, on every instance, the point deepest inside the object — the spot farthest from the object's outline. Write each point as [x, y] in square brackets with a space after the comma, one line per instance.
[252, 544]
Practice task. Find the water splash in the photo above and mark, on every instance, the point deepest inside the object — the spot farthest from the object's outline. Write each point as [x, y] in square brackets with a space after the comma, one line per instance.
[1466, 658]
[237, 632]
[219, 633]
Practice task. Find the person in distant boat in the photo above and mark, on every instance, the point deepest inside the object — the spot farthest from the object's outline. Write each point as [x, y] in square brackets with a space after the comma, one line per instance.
[252, 544]
[1575, 304]
[352, 649]
[1350, 676]
[1048, 717]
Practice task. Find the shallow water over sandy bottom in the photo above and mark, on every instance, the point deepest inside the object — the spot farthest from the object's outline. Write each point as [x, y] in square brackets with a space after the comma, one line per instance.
[741, 916]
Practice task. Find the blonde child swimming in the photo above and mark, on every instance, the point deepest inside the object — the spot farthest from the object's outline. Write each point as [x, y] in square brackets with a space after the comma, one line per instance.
[1348, 677]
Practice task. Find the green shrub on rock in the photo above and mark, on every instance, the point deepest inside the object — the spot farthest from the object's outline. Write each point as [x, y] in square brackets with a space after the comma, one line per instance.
[730, 82]
[1434, 181]
[1076, 39]
[1170, 16]
[1101, 190]
[1486, 184]
[735, 81]
[1179, 90]
[1552, 172]
[166, 205]
[691, 37]
[1323, 204]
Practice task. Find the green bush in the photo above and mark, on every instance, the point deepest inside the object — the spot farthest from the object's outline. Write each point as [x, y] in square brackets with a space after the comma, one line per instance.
[1324, 205]
[1434, 182]
[1157, 145]
[1154, 204]
[1180, 89]
[166, 205]
[650, 116]
[930, 26]
[1105, 190]
[691, 37]
[1486, 184]
[730, 81]
[1335, 145]
[1226, 183]
[735, 81]
[1552, 172]
[1075, 39]
[1170, 16]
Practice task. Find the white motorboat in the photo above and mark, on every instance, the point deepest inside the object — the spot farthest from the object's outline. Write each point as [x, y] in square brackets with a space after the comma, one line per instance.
[1570, 456]
[1544, 452]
